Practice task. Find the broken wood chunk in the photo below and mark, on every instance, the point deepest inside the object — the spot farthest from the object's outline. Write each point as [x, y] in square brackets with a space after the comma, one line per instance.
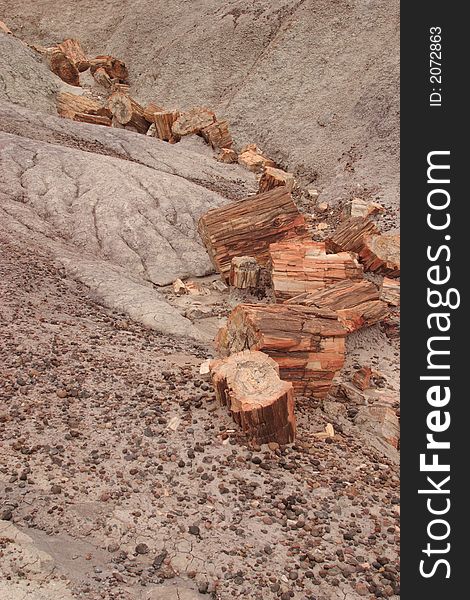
[253, 159]
[68, 105]
[391, 326]
[92, 119]
[101, 77]
[362, 208]
[300, 266]
[248, 227]
[272, 178]
[150, 109]
[381, 254]
[307, 343]
[349, 236]
[245, 272]
[62, 66]
[114, 67]
[248, 383]
[193, 121]
[356, 303]
[217, 135]
[163, 125]
[127, 111]
[227, 155]
[390, 291]
[362, 377]
[74, 51]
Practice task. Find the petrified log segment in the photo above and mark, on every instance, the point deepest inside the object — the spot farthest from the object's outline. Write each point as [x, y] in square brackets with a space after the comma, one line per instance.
[356, 303]
[62, 66]
[381, 254]
[68, 105]
[260, 402]
[362, 378]
[93, 119]
[253, 159]
[193, 121]
[248, 227]
[150, 110]
[245, 272]
[227, 155]
[304, 266]
[114, 67]
[163, 125]
[272, 178]
[127, 111]
[349, 236]
[307, 343]
[74, 52]
[217, 135]
[390, 291]
[102, 78]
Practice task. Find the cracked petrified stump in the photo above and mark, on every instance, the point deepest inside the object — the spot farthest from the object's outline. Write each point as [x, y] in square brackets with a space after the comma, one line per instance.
[62, 66]
[300, 266]
[307, 343]
[249, 226]
[126, 111]
[248, 383]
[356, 303]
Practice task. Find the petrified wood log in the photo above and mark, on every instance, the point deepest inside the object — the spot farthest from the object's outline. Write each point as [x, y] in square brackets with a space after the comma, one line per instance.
[253, 159]
[217, 135]
[390, 291]
[114, 67]
[356, 303]
[150, 109]
[127, 111]
[349, 236]
[74, 51]
[260, 402]
[62, 66]
[68, 105]
[304, 266]
[193, 121]
[93, 119]
[381, 253]
[272, 178]
[102, 78]
[307, 343]
[245, 272]
[163, 125]
[248, 227]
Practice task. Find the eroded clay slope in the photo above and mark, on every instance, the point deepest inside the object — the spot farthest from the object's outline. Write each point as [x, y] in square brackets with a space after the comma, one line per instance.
[314, 82]
[122, 220]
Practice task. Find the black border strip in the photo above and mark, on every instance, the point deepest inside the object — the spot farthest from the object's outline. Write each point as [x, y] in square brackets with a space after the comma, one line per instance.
[424, 129]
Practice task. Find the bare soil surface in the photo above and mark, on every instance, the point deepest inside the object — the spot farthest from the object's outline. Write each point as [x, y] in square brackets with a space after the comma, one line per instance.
[118, 464]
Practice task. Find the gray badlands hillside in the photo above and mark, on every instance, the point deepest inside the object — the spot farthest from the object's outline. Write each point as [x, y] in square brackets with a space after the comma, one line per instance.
[314, 82]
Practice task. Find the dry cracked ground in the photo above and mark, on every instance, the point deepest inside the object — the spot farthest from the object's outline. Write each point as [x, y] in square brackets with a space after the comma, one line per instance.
[120, 477]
